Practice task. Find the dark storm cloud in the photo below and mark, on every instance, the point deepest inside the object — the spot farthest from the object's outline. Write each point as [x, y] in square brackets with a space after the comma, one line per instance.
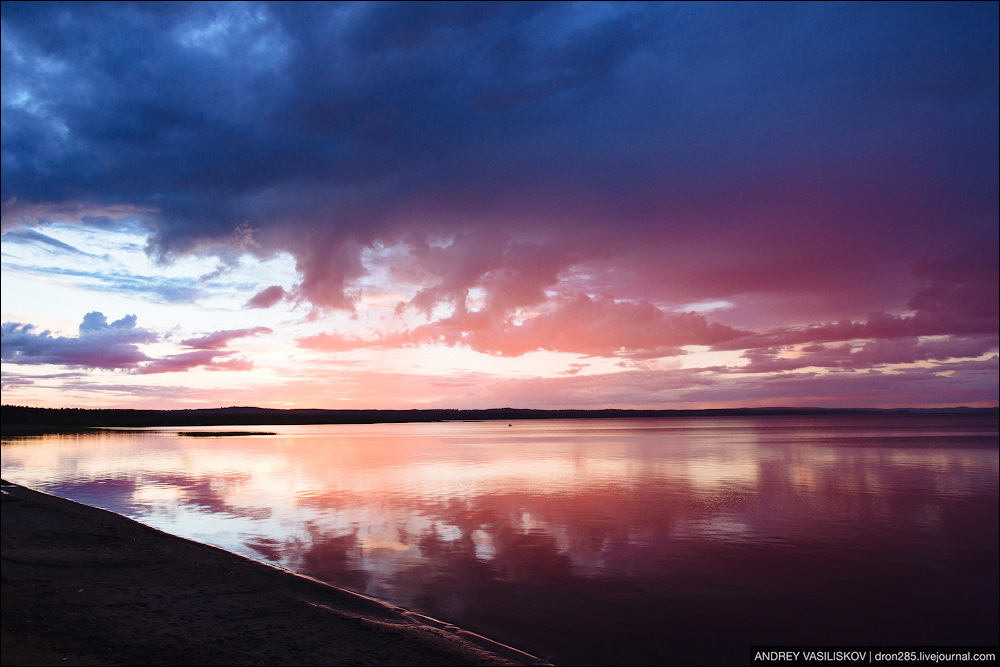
[687, 151]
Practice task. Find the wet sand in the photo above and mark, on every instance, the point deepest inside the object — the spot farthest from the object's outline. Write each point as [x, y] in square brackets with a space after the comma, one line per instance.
[86, 586]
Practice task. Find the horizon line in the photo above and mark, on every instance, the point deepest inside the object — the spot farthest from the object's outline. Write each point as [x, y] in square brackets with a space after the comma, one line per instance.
[509, 408]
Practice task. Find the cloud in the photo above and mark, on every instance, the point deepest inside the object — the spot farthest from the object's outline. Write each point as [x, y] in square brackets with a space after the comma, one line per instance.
[18, 213]
[115, 346]
[597, 326]
[953, 296]
[96, 322]
[35, 237]
[209, 353]
[18, 380]
[603, 327]
[151, 288]
[267, 297]
[529, 177]
[869, 354]
[511, 273]
[658, 152]
[219, 339]
[577, 323]
[99, 344]
[969, 383]
[207, 359]
[15, 381]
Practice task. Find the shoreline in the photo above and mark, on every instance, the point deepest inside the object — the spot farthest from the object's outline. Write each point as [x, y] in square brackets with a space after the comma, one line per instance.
[86, 586]
[23, 420]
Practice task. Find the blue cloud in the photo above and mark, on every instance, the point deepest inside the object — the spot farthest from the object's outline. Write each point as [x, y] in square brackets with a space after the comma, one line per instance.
[328, 128]
[99, 345]
[115, 346]
[154, 288]
[37, 238]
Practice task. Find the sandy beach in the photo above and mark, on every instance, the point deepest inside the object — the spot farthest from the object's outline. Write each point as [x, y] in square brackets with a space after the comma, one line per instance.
[86, 586]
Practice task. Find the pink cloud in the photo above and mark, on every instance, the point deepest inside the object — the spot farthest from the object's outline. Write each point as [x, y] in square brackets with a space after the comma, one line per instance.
[329, 264]
[600, 326]
[971, 383]
[267, 297]
[512, 273]
[179, 362]
[579, 324]
[871, 353]
[878, 326]
[235, 364]
[952, 298]
[959, 286]
[209, 359]
[219, 339]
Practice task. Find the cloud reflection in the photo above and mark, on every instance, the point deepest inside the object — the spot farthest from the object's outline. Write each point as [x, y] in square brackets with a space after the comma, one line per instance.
[563, 537]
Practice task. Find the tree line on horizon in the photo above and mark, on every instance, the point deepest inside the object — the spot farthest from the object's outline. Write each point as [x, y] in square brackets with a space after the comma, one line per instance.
[20, 417]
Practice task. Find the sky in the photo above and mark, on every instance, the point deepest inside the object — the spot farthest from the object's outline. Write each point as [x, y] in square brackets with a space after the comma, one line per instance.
[475, 205]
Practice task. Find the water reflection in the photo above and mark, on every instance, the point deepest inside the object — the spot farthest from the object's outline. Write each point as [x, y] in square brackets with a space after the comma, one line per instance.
[639, 541]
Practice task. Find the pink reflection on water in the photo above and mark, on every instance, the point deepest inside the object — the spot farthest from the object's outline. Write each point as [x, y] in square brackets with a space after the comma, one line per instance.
[601, 542]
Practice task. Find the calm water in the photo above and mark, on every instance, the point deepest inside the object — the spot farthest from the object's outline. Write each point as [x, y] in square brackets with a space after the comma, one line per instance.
[592, 541]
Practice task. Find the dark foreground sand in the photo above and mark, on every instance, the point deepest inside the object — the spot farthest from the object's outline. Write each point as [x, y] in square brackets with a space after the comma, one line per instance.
[89, 587]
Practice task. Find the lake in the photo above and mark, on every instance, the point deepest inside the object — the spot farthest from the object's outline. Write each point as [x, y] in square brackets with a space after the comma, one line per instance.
[618, 541]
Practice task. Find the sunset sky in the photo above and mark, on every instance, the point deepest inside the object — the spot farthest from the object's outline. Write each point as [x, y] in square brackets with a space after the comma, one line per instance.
[487, 205]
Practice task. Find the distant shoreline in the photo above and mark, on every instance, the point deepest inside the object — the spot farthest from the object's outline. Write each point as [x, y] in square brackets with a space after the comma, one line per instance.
[26, 420]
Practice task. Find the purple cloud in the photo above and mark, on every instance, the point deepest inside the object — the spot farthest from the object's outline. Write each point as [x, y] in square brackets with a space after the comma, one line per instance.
[267, 297]
[99, 345]
[115, 346]
[869, 354]
[656, 154]
[583, 173]
[219, 339]
[208, 359]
